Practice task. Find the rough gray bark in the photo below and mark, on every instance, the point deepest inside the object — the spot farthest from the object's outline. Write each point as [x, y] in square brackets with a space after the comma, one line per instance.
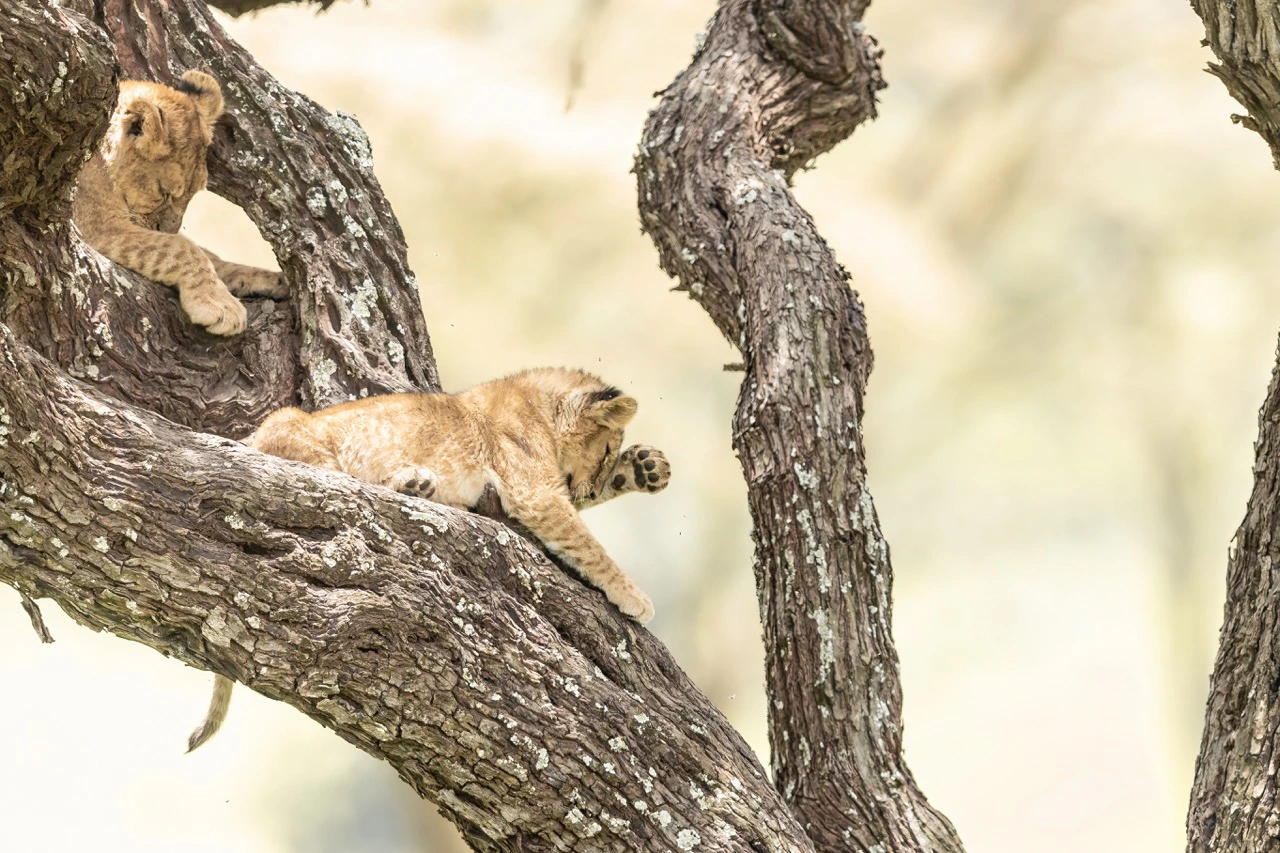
[1234, 797]
[512, 696]
[774, 84]
[509, 694]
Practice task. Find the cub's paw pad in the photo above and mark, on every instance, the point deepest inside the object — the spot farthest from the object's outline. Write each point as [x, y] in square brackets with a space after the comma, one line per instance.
[416, 482]
[215, 309]
[650, 469]
[251, 281]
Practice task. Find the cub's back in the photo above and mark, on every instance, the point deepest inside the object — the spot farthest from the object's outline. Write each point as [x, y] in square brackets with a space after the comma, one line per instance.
[374, 436]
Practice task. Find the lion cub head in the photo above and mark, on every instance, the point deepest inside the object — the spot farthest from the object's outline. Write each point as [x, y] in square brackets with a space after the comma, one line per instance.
[590, 424]
[156, 143]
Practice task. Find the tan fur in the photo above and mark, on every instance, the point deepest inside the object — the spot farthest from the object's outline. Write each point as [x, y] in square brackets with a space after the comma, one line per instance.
[132, 194]
[546, 440]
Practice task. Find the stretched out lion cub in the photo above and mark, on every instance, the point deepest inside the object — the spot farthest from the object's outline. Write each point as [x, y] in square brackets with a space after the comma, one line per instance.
[547, 441]
[132, 194]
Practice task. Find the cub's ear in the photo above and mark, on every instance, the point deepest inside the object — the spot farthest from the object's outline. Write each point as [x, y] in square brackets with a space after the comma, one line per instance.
[206, 93]
[611, 408]
[142, 123]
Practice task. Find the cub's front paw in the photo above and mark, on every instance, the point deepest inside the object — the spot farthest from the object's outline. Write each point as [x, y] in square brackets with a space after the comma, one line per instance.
[251, 281]
[631, 601]
[649, 469]
[215, 309]
[417, 482]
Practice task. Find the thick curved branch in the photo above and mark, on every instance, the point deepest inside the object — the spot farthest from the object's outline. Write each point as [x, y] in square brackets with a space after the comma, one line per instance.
[51, 113]
[511, 695]
[774, 85]
[1235, 801]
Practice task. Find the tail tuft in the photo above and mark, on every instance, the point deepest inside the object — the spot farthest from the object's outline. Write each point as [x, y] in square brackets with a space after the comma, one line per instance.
[216, 714]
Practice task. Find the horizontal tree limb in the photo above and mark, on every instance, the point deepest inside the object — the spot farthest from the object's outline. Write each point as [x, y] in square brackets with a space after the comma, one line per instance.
[510, 694]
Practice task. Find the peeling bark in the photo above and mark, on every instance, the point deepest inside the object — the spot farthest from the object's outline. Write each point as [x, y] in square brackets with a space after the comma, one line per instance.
[774, 84]
[1234, 797]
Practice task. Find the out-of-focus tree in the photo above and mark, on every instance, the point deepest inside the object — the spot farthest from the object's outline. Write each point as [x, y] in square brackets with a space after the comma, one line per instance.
[1235, 800]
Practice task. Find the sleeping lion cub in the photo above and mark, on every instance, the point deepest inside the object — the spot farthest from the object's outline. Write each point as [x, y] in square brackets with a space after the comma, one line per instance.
[548, 441]
[133, 192]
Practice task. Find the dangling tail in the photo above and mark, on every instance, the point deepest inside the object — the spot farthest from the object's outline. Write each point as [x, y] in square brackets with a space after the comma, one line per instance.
[217, 712]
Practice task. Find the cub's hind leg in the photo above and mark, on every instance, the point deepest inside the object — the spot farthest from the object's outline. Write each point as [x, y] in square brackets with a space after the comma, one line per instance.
[289, 434]
[244, 280]
[551, 517]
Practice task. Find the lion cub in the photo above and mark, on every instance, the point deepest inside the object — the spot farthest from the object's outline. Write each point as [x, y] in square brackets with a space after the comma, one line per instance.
[131, 195]
[546, 440]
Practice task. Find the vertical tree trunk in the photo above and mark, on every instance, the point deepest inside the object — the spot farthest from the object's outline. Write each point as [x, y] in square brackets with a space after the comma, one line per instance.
[775, 83]
[1234, 797]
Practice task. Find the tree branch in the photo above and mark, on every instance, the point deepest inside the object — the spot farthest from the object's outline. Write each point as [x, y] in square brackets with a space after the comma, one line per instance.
[776, 83]
[1243, 35]
[509, 694]
[1235, 804]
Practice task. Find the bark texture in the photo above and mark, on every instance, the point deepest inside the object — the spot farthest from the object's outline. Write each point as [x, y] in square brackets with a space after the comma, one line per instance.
[774, 84]
[509, 694]
[1234, 797]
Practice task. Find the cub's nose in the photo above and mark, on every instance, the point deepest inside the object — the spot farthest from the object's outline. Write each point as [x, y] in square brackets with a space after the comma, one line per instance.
[593, 495]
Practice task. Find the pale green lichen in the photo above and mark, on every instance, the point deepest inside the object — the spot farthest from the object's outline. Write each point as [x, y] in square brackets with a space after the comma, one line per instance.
[687, 839]
[346, 126]
[827, 646]
[315, 201]
[323, 373]
[362, 298]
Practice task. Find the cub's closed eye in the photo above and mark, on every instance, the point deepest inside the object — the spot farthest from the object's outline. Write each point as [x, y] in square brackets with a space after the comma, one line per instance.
[568, 480]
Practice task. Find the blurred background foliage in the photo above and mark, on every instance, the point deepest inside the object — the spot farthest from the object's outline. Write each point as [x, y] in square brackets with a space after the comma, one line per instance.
[1064, 248]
